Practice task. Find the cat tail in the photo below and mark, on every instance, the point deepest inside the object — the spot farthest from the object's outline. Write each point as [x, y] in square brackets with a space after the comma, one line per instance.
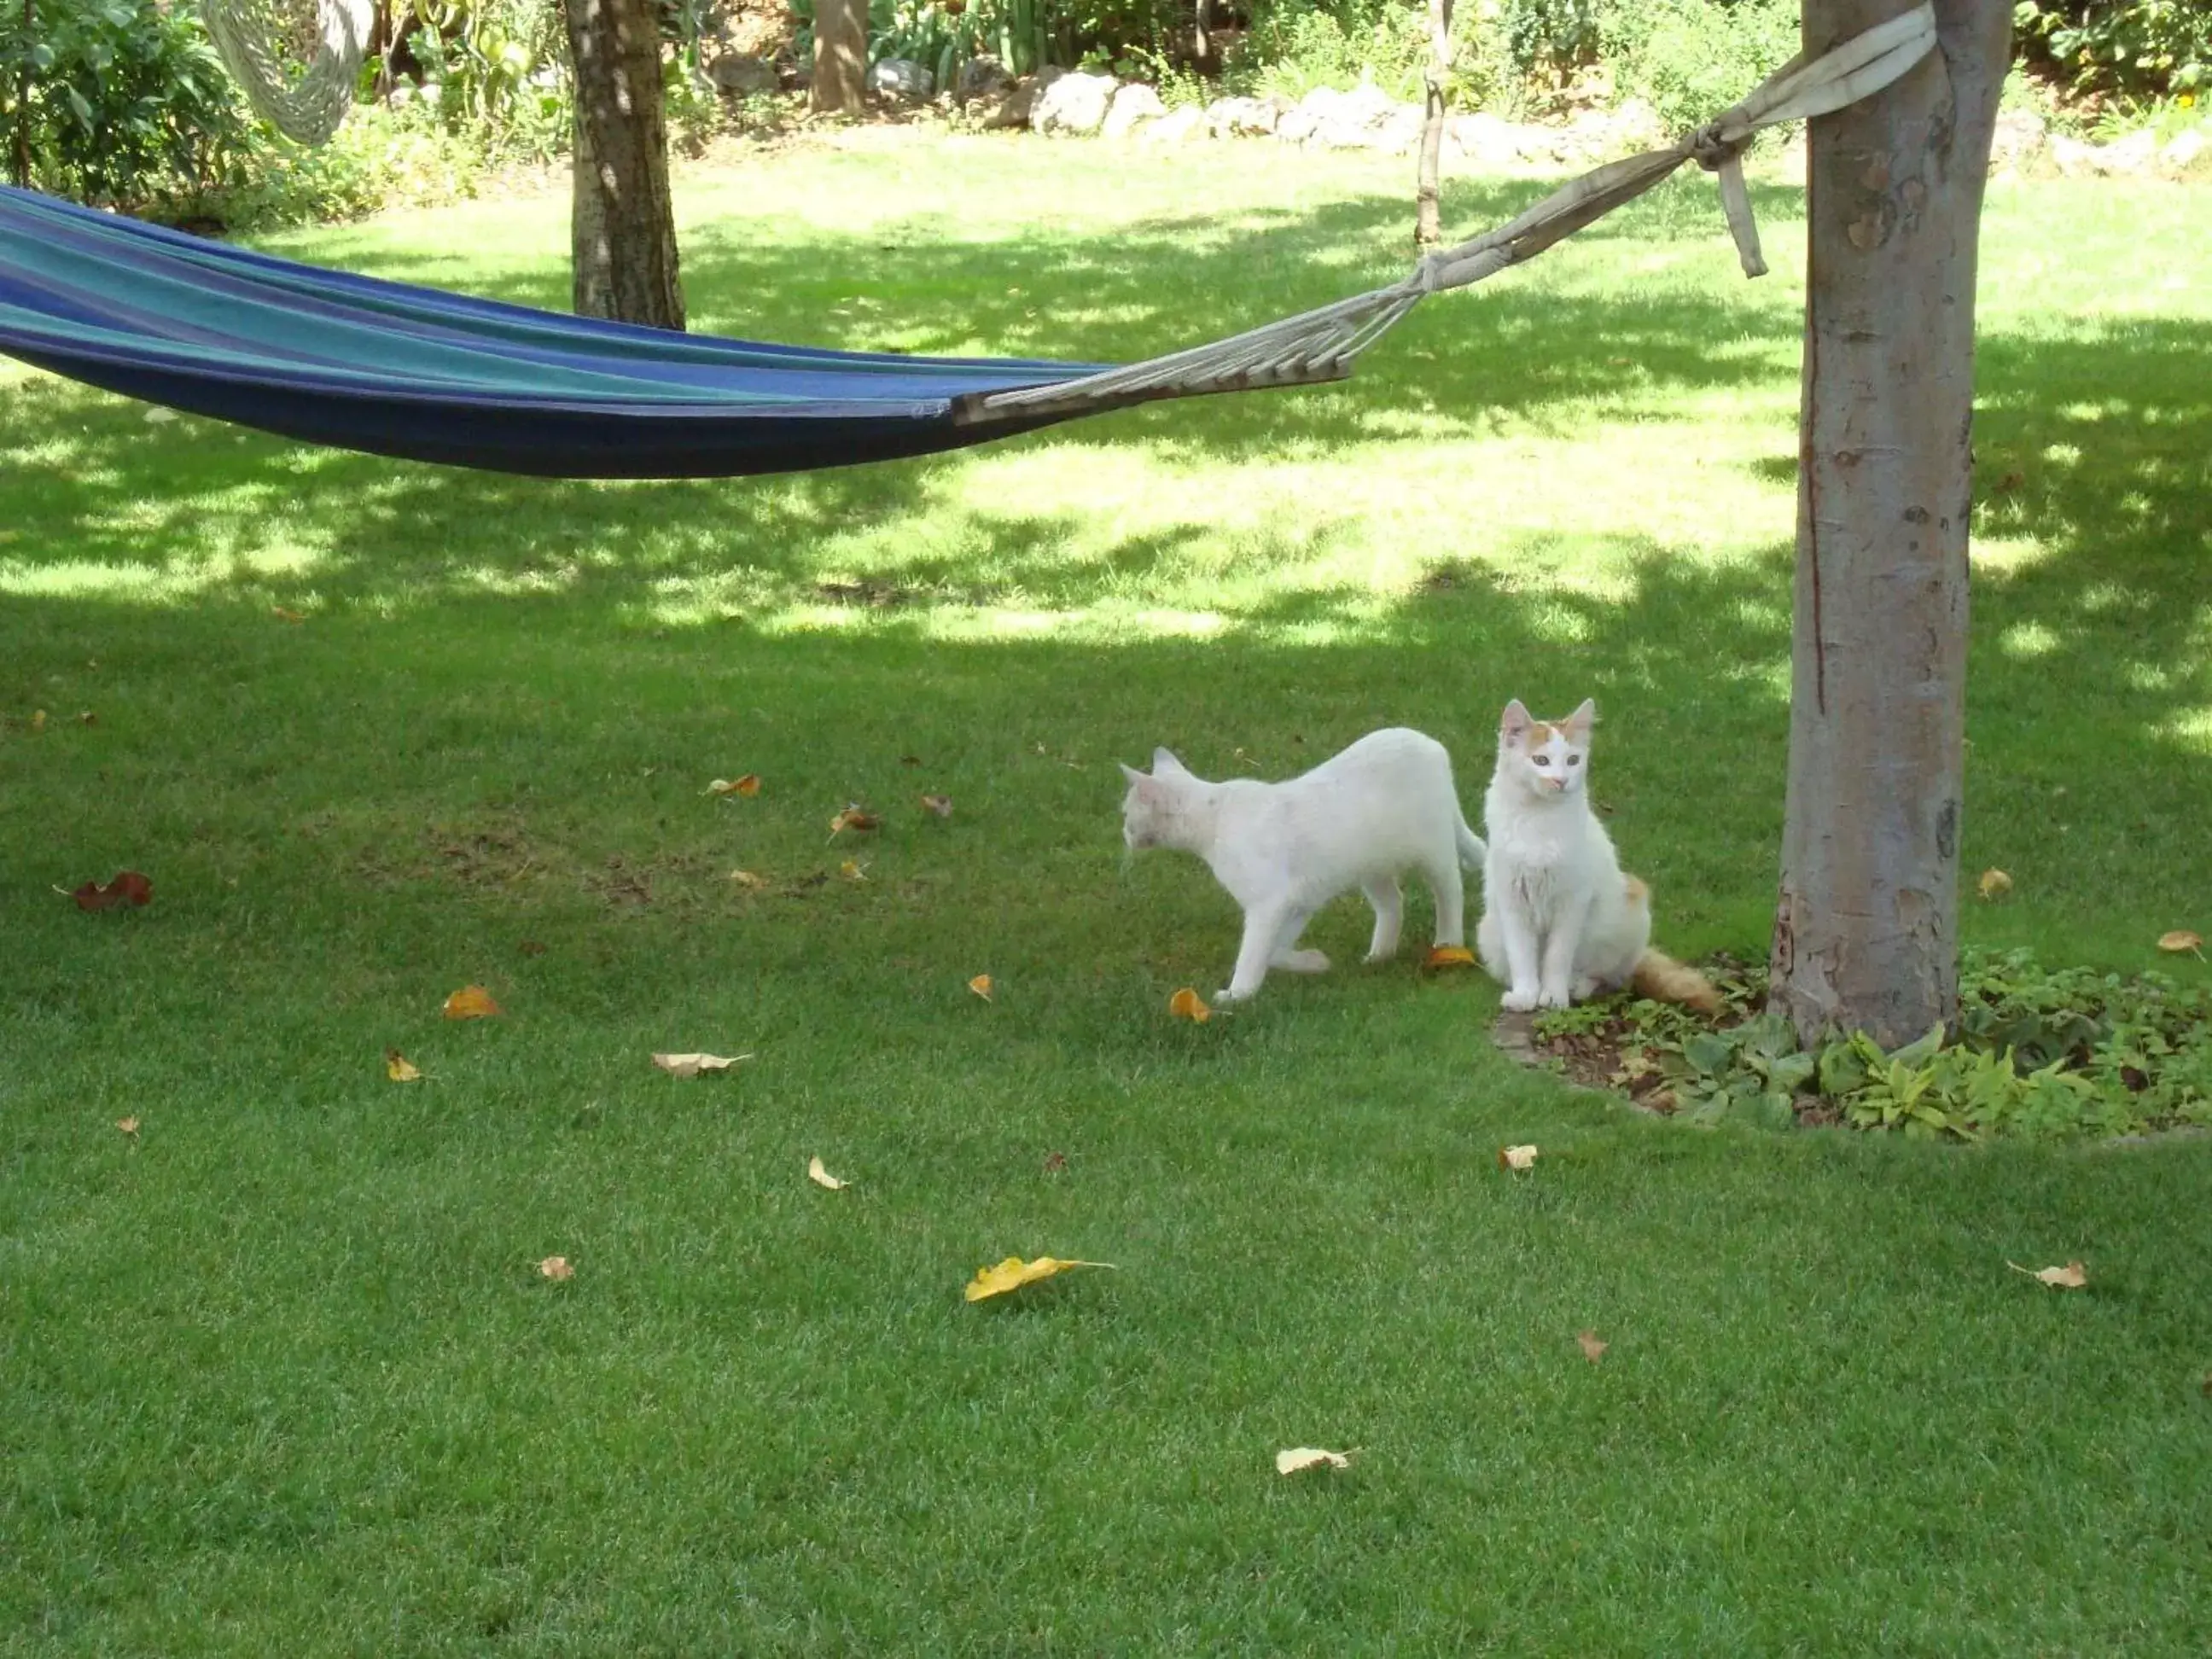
[1662, 979]
[1472, 852]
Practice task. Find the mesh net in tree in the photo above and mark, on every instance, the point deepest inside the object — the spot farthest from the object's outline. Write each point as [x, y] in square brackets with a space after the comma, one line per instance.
[298, 60]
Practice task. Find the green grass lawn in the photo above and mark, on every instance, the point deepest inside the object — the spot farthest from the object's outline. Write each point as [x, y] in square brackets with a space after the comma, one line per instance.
[279, 1375]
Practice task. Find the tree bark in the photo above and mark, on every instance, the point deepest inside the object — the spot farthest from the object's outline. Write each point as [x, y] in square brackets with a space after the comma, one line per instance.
[1428, 222]
[1866, 934]
[22, 146]
[623, 225]
[841, 57]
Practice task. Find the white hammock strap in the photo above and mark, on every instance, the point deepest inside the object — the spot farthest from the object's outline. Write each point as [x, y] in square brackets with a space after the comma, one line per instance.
[305, 101]
[1320, 346]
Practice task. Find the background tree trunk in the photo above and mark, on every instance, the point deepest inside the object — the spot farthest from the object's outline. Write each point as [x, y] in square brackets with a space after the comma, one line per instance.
[1866, 934]
[840, 56]
[1428, 224]
[623, 227]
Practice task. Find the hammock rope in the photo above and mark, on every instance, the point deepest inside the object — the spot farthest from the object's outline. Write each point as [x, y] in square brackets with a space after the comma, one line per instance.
[304, 96]
[1322, 344]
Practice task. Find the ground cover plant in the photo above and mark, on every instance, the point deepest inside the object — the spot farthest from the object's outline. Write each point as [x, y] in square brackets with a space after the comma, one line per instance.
[287, 1370]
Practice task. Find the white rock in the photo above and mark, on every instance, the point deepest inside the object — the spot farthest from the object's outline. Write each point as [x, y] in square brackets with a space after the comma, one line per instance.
[2183, 149]
[1237, 118]
[1074, 103]
[1132, 107]
[1176, 127]
[902, 80]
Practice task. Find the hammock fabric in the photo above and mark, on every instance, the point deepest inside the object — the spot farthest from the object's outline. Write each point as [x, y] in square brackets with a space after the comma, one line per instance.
[350, 361]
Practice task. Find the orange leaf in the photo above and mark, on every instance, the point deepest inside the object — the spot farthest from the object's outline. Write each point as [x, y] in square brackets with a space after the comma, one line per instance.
[556, 1268]
[1014, 1273]
[399, 1068]
[1186, 1004]
[821, 1177]
[853, 818]
[696, 1065]
[2181, 939]
[748, 786]
[2071, 1277]
[471, 1002]
[1592, 1345]
[1517, 1157]
[940, 804]
[1449, 956]
[129, 887]
[981, 985]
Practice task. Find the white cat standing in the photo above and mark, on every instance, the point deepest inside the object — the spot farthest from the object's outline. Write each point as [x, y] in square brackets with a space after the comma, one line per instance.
[1560, 922]
[1361, 818]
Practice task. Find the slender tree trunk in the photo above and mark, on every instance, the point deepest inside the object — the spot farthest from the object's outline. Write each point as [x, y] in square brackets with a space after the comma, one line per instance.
[623, 227]
[23, 105]
[1428, 222]
[840, 56]
[1866, 935]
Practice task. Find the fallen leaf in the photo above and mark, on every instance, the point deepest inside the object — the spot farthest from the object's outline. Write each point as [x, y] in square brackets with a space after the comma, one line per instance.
[1449, 956]
[1593, 1346]
[820, 1176]
[910, 760]
[695, 1065]
[852, 871]
[85, 717]
[2181, 939]
[1994, 884]
[37, 719]
[399, 1068]
[1298, 1459]
[556, 1268]
[981, 985]
[1014, 1273]
[853, 818]
[940, 804]
[1516, 1157]
[1054, 1163]
[129, 1125]
[129, 887]
[747, 786]
[2071, 1277]
[471, 1002]
[1186, 1004]
[283, 615]
[2012, 481]
[530, 947]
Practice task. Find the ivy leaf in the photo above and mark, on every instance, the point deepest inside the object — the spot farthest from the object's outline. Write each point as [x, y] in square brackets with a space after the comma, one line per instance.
[1014, 1273]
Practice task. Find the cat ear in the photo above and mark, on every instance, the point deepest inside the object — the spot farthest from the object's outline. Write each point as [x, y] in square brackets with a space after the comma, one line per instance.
[1165, 762]
[1132, 773]
[1514, 721]
[1579, 723]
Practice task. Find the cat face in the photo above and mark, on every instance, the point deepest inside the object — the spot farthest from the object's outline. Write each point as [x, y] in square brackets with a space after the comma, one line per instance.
[1548, 758]
[1150, 807]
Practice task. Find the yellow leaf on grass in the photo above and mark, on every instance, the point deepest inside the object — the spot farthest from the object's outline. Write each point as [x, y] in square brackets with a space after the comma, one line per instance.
[748, 880]
[556, 1268]
[2071, 1277]
[695, 1065]
[981, 985]
[128, 1125]
[471, 1002]
[852, 871]
[820, 1176]
[854, 816]
[1014, 1273]
[748, 785]
[1449, 956]
[1593, 1346]
[1186, 1004]
[37, 719]
[2181, 939]
[399, 1068]
[1516, 1157]
[1298, 1459]
[1994, 884]
[940, 804]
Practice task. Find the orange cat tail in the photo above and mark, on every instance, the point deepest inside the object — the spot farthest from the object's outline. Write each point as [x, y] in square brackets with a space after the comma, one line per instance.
[1662, 979]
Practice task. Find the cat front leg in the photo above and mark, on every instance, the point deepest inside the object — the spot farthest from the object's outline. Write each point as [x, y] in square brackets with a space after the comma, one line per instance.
[1520, 939]
[1389, 914]
[1450, 892]
[1556, 973]
[1268, 930]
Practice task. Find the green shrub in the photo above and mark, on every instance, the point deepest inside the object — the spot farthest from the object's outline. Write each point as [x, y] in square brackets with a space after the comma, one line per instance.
[2138, 49]
[1690, 59]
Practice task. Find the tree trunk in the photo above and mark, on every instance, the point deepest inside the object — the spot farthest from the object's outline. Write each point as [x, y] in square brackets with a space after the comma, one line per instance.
[22, 158]
[840, 56]
[1866, 935]
[623, 227]
[1428, 222]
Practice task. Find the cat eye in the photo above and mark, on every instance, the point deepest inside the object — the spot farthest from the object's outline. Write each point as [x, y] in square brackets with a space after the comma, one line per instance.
[1574, 760]
[1542, 760]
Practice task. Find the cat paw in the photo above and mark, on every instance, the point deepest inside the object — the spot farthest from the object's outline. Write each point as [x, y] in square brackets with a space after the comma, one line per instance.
[1230, 993]
[1303, 962]
[1518, 1002]
[1553, 999]
[1586, 988]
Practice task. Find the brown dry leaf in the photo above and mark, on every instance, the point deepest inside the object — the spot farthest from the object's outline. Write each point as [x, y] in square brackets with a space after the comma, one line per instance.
[471, 1002]
[821, 1177]
[1014, 1273]
[854, 816]
[282, 614]
[1447, 956]
[1298, 1459]
[530, 947]
[748, 880]
[1054, 1163]
[2181, 939]
[1593, 1346]
[1994, 884]
[399, 1068]
[85, 717]
[853, 871]
[696, 1065]
[556, 1268]
[747, 786]
[910, 760]
[128, 887]
[981, 985]
[940, 804]
[2071, 1277]
[1186, 1004]
[129, 1125]
[1517, 1157]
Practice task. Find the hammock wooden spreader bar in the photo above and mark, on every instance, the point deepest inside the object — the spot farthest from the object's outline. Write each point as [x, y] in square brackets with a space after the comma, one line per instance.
[1320, 346]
